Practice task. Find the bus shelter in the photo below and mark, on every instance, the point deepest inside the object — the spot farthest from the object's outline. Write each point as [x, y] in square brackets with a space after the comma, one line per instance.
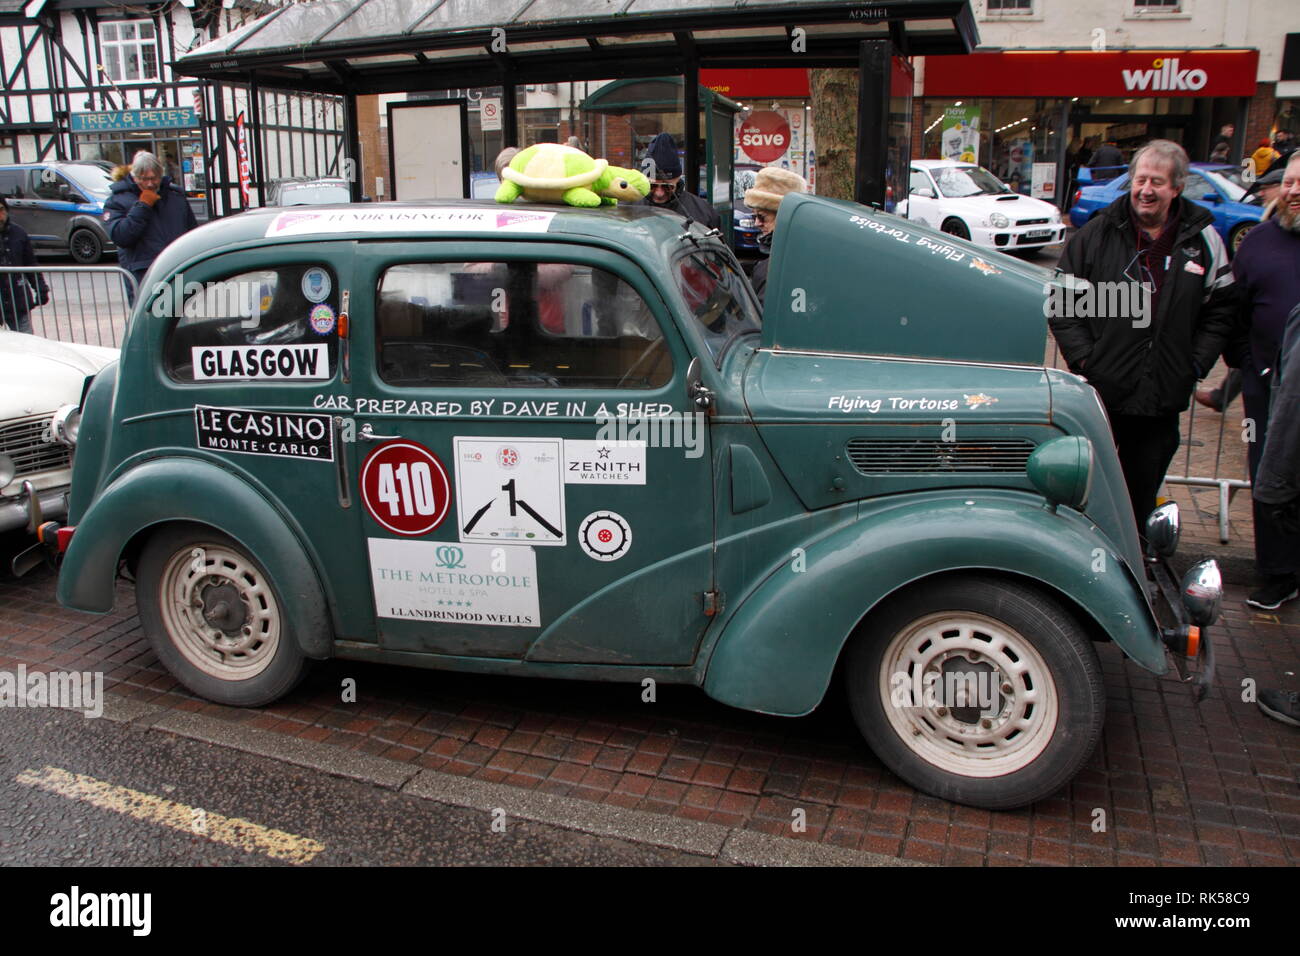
[351, 48]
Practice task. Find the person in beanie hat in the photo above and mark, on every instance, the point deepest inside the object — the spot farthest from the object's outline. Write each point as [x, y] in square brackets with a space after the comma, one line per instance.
[16, 288]
[770, 186]
[663, 168]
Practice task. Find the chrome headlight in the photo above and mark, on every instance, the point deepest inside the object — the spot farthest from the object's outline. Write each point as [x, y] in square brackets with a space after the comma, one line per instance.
[7, 470]
[1061, 470]
[1203, 592]
[64, 426]
[999, 221]
[1163, 528]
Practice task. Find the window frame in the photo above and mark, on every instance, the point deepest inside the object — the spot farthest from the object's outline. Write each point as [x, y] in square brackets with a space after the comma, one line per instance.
[1015, 11]
[547, 251]
[123, 47]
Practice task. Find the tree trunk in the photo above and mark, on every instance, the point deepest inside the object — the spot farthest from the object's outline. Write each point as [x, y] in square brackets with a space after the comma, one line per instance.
[835, 124]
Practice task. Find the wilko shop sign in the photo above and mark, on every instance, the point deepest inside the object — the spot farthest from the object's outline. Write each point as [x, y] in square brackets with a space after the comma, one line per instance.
[1083, 73]
[765, 136]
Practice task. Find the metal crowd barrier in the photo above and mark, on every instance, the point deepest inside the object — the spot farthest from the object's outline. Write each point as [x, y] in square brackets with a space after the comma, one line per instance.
[1195, 433]
[88, 304]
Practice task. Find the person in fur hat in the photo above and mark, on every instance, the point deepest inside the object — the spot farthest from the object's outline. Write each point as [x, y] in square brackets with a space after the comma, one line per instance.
[663, 168]
[770, 186]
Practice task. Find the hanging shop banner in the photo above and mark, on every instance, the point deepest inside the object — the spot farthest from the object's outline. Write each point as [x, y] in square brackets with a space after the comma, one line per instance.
[960, 139]
[1127, 73]
[245, 165]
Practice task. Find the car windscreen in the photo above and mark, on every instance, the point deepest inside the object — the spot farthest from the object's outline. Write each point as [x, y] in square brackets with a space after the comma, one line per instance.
[313, 195]
[1228, 179]
[956, 182]
[742, 179]
[715, 292]
[94, 181]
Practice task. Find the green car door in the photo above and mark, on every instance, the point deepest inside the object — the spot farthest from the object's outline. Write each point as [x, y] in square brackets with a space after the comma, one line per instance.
[531, 479]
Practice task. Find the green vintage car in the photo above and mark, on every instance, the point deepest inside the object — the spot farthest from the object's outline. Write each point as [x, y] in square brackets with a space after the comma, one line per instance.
[559, 442]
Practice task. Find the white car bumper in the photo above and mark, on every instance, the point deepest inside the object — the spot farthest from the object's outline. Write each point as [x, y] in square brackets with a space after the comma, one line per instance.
[1019, 237]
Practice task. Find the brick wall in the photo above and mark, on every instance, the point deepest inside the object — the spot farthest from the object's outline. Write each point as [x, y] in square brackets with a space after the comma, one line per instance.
[1259, 115]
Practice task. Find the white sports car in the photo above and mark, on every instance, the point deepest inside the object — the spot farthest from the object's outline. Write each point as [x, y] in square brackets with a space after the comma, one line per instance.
[968, 201]
[40, 391]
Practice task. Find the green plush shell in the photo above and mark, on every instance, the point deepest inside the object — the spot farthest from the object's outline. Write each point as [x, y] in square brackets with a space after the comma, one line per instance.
[552, 167]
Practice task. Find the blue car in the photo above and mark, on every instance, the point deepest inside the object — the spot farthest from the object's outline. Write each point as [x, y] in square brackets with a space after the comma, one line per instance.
[1215, 186]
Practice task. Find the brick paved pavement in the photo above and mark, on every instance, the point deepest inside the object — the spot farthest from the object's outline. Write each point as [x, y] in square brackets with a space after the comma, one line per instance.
[1179, 785]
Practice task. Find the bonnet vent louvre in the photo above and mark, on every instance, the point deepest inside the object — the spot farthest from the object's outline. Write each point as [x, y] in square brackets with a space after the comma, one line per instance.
[924, 456]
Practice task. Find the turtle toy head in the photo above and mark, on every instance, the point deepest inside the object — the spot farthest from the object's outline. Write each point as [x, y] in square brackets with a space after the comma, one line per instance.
[626, 184]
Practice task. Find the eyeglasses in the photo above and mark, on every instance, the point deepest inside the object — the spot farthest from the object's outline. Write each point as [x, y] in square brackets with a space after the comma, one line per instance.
[1137, 270]
[764, 217]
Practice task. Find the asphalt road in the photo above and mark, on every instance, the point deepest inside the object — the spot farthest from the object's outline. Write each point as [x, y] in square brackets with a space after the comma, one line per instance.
[87, 792]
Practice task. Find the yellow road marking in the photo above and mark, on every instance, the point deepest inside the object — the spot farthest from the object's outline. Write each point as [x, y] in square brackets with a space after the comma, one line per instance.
[231, 831]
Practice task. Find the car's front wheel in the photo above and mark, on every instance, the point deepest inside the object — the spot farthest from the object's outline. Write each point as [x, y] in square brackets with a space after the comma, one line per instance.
[977, 690]
[85, 247]
[955, 227]
[215, 619]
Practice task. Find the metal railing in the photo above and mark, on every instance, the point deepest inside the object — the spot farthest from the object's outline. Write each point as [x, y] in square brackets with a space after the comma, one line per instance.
[87, 304]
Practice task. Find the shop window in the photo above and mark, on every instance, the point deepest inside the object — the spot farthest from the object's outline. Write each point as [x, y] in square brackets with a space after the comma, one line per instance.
[276, 324]
[515, 325]
[128, 50]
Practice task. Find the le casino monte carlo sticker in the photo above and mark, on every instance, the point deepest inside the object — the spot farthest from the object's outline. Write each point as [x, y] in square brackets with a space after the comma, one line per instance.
[249, 431]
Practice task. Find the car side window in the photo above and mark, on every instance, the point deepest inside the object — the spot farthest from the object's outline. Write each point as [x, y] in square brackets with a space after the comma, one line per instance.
[1197, 188]
[11, 182]
[278, 324]
[46, 183]
[518, 324]
[919, 180]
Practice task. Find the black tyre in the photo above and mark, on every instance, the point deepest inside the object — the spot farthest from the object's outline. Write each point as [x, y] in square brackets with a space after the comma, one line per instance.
[977, 690]
[955, 227]
[215, 618]
[86, 246]
[1238, 234]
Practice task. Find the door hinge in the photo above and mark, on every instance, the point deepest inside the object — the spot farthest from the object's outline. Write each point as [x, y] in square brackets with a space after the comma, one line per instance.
[712, 603]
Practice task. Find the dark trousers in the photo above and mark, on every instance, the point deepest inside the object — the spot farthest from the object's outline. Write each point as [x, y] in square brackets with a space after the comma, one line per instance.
[1276, 552]
[1146, 445]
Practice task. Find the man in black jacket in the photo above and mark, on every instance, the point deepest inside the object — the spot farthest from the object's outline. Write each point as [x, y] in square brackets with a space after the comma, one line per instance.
[1160, 308]
[16, 287]
[663, 167]
[145, 212]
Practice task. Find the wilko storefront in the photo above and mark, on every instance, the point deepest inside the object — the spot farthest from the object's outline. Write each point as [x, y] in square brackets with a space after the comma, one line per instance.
[1034, 115]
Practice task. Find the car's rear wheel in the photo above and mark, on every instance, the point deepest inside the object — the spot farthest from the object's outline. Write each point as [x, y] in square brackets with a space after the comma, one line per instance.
[215, 619]
[1237, 235]
[955, 227]
[977, 690]
[85, 246]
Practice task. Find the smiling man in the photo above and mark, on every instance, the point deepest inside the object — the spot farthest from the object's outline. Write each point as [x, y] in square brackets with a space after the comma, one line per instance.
[1145, 361]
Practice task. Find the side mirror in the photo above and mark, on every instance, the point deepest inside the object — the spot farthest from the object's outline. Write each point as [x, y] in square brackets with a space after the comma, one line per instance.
[1212, 197]
[925, 192]
[696, 390]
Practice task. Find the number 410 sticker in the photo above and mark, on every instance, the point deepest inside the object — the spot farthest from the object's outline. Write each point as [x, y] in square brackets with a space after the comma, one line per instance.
[405, 488]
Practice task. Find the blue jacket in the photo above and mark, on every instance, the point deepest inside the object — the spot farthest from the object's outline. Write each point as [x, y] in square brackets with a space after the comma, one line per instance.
[140, 231]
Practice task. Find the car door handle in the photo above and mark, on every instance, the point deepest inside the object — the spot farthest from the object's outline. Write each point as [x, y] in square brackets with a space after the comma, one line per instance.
[368, 434]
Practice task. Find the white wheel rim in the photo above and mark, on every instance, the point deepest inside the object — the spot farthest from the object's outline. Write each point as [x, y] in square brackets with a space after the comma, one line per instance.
[219, 612]
[1013, 689]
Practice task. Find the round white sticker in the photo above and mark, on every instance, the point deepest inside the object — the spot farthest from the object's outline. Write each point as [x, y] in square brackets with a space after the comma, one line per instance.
[604, 535]
[316, 284]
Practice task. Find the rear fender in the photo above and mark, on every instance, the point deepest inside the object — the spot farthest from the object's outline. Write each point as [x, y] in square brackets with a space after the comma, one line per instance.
[778, 651]
[144, 497]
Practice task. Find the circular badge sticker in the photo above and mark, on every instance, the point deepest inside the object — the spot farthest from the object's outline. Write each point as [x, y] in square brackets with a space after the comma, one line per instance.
[405, 488]
[321, 319]
[604, 535]
[316, 285]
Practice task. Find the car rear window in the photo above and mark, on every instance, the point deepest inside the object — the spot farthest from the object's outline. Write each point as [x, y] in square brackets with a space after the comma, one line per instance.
[268, 325]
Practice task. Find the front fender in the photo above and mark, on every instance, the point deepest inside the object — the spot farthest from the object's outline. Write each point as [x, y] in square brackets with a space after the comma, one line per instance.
[145, 495]
[778, 651]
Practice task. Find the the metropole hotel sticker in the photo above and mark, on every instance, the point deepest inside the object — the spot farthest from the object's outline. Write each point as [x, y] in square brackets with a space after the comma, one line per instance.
[454, 583]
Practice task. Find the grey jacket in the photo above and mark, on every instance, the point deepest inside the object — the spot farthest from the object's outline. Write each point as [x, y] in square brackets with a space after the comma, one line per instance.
[1278, 478]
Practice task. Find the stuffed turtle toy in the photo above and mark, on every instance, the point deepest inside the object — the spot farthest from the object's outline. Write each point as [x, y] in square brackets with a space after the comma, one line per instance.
[549, 172]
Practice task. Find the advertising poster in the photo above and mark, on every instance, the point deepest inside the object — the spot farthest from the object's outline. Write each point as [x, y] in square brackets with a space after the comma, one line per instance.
[960, 139]
[1044, 182]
